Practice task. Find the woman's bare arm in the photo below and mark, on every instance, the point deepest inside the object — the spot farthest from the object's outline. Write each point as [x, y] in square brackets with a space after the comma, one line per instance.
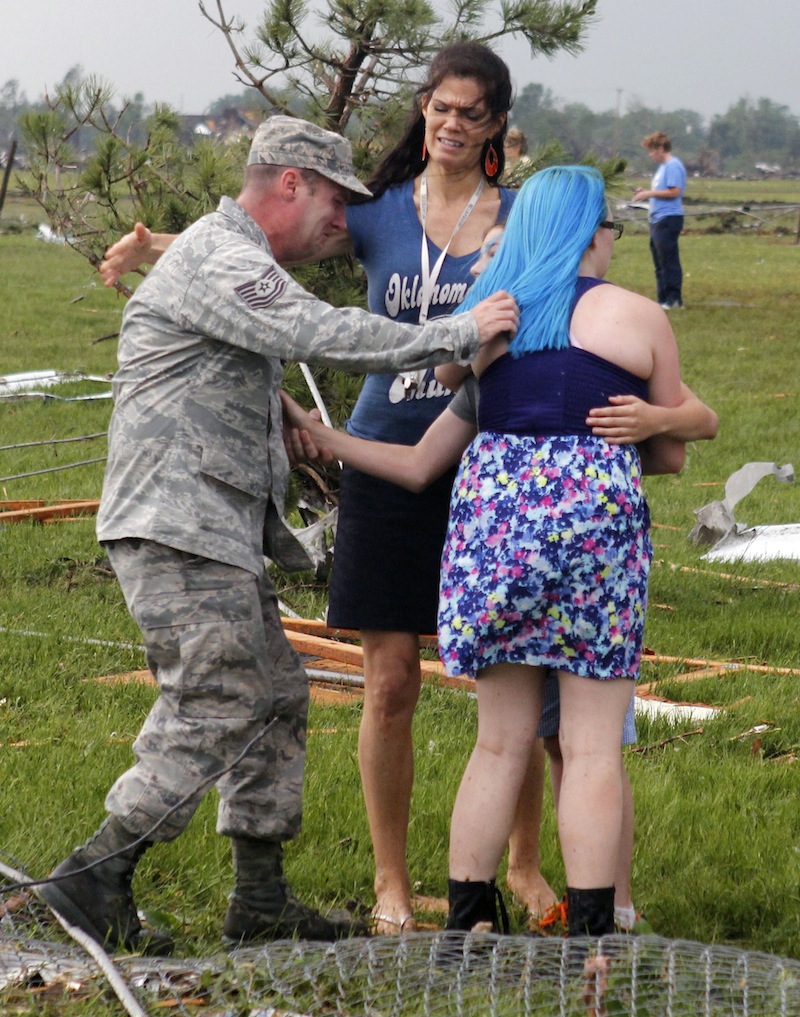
[628, 419]
[410, 466]
[662, 453]
[452, 375]
[143, 247]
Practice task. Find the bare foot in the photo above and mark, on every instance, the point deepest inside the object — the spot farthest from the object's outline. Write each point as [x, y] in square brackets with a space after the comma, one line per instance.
[436, 905]
[596, 970]
[531, 888]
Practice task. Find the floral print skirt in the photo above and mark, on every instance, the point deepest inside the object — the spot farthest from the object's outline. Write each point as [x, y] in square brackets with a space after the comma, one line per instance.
[546, 557]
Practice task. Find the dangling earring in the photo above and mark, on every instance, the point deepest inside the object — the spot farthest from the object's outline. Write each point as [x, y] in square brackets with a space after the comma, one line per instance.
[491, 163]
[424, 149]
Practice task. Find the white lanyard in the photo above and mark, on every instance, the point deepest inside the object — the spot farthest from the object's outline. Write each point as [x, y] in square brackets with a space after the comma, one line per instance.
[412, 379]
[429, 278]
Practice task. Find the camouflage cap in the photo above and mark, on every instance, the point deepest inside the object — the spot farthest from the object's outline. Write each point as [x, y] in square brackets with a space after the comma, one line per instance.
[287, 141]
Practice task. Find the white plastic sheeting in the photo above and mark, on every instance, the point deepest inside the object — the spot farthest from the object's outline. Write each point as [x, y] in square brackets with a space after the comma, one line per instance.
[734, 541]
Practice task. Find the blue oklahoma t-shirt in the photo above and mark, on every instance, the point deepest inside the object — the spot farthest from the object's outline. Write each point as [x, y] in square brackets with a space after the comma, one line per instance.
[387, 238]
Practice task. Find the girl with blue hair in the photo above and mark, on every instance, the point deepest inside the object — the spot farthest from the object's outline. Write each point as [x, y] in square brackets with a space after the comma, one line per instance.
[548, 550]
[625, 420]
[546, 236]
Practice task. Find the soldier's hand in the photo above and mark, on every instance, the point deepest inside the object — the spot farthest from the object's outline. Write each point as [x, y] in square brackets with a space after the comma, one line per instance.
[497, 316]
[301, 446]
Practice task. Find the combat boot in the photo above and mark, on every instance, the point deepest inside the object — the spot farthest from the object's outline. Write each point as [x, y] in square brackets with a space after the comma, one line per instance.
[262, 905]
[476, 906]
[590, 912]
[92, 889]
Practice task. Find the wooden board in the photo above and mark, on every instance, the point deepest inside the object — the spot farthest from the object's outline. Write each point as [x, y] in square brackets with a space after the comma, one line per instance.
[41, 513]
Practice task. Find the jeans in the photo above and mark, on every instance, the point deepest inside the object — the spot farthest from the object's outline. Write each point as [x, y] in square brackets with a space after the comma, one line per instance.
[664, 248]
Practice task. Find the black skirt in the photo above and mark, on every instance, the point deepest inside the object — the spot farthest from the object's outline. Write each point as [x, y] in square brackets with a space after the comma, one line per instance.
[387, 554]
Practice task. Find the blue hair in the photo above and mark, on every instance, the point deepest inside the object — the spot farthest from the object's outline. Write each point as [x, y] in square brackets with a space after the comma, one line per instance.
[553, 220]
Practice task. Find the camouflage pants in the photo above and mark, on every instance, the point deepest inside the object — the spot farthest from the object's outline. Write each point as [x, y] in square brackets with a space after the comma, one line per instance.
[224, 669]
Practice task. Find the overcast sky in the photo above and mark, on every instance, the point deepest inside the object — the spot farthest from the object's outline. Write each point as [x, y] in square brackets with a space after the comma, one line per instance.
[702, 55]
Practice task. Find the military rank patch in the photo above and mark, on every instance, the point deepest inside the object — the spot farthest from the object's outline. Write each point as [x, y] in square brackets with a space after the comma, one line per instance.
[263, 291]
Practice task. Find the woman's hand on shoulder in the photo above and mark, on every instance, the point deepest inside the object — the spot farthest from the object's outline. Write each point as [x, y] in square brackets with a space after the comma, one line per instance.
[139, 247]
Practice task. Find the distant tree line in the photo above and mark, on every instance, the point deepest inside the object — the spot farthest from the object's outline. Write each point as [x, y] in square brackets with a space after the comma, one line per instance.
[751, 133]
[36, 115]
[134, 163]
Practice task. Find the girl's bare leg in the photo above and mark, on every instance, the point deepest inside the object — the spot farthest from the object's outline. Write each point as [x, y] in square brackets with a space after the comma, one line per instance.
[622, 880]
[509, 705]
[591, 795]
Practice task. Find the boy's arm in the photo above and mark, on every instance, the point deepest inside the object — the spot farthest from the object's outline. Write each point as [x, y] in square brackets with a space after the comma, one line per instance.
[410, 466]
[629, 420]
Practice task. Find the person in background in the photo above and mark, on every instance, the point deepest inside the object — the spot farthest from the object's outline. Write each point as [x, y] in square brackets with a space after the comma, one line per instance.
[193, 495]
[665, 218]
[517, 161]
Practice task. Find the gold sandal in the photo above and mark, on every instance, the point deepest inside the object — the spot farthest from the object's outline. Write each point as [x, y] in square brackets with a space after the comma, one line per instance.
[397, 923]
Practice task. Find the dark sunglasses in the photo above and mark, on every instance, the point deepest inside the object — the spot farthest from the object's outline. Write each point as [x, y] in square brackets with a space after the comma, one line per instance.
[617, 227]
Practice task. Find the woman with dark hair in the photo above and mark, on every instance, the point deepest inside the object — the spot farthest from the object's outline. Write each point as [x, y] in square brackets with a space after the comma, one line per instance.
[548, 549]
[435, 195]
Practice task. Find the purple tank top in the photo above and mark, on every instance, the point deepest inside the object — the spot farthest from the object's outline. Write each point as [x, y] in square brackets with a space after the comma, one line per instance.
[550, 392]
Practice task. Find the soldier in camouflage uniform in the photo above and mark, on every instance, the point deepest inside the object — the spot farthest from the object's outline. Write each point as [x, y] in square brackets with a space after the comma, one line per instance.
[193, 496]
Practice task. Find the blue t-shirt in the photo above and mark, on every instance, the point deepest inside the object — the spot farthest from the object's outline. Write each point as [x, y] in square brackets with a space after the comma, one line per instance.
[671, 173]
[387, 237]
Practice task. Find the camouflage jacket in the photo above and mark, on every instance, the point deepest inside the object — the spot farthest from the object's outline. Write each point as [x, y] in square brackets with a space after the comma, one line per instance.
[196, 456]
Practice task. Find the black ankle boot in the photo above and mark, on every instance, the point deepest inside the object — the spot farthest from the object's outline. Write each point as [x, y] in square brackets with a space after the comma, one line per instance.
[590, 912]
[474, 902]
[262, 906]
[100, 900]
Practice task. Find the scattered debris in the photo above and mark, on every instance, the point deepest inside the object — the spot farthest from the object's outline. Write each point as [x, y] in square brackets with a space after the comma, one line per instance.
[52, 469]
[45, 233]
[750, 580]
[29, 385]
[653, 706]
[723, 665]
[734, 541]
[759, 543]
[758, 729]
[53, 441]
[41, 512]
[334, 664]
[644, 749]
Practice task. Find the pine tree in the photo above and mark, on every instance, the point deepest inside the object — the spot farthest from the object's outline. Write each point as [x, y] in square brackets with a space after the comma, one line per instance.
[350, 65]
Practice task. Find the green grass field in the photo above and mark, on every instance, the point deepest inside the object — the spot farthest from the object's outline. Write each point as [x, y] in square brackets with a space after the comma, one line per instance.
[718, 825]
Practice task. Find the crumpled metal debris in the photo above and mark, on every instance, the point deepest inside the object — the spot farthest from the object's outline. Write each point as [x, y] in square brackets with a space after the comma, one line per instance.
[732, 541]
[28, 385]
[44, 232]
